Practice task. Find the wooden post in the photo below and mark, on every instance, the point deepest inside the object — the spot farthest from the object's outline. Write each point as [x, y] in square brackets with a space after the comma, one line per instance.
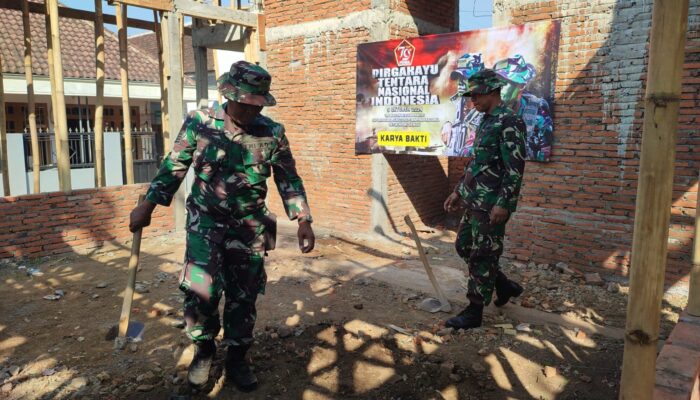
[201, 72]
[694, 293]
[124, 77]
[31, 107]
[161, 80]
[161, 37]
[100, 180]
[172, 45]
[4, 169]
[61, 123]
[653, 208]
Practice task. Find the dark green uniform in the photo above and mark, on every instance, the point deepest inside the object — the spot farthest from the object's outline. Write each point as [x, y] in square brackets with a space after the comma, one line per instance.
[492, 178]
[227, 221]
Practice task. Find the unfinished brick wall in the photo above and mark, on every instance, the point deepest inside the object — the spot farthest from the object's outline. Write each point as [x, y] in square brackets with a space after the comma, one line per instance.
[55, 223]
[311, 54]
[580, 207]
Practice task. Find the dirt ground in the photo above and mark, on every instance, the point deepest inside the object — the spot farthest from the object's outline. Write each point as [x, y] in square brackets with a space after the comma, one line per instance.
[323, 332]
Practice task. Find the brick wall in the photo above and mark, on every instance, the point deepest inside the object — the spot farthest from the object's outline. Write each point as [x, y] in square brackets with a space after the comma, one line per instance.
[580, 207]
[312, 50]
[54, 223]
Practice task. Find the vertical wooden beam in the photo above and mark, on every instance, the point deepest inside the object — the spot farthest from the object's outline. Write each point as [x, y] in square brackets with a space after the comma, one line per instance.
[124, 77]
[100, 180]
[654, 191]
[694, 293]
[4, 169]
[172, 45]
[52, 78]
[216, 57]
[163, 90]
[201, 72]
[31, 106]
[61, 123]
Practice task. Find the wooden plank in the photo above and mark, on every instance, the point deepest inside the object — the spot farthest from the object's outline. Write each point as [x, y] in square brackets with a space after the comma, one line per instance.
[4, 169]
[204, 11]
[65, 12]
[220, 36]
[201, 71]
[160, 5]
[654, 192]
[31, 106]
[694, 285]
[124, 77]
[57, 92]
[162, 66]
[262, 41]
[100, 180]
[171, 44]
[52, 80]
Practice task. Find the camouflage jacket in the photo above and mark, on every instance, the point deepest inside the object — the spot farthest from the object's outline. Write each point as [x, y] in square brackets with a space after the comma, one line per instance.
[494, 175]
[230, 168]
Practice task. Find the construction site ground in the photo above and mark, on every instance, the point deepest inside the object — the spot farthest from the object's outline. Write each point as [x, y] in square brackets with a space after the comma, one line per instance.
[340, 323]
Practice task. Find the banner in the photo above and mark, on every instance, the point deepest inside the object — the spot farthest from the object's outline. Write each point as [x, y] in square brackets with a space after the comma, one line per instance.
[409, 91]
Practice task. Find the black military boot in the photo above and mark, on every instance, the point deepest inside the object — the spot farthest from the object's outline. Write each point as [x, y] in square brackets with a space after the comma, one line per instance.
[238, 370]
[204, 353]
[505, 289]
[470, 317]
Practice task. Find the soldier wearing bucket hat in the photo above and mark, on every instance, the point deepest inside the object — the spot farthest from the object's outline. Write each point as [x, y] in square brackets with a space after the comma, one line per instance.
[489, 188]
[232, 149]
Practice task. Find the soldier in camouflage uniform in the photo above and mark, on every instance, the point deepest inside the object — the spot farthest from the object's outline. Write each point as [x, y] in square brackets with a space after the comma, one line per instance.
[489, 188]
[233, 150]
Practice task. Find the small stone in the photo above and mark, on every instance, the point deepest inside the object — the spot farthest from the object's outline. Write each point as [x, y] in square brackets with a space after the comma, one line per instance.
[145, 388]
[585, 378]
[48, 372]
[483, 352]
[504, 326]
[549, 371]
[358, 306]
[448, 366]
[613, 287]
[13, 370]
[141, 288]
[456, 378]
[6, 388]
[478, 368]
[101, 285]
[133, 347]
[445, 332]
[511, 332]
[147, 377]
[284, 332]
[103, 376]
[95, 296]
[593, 279]
[523, 328]
[361, 281]
[81, 339]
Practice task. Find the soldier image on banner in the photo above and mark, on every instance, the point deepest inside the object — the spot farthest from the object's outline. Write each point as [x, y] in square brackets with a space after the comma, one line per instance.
[533, 110]
[467, 119]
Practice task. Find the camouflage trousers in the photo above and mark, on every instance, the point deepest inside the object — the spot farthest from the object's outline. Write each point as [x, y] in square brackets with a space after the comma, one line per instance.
[226, 261]
[480, 244]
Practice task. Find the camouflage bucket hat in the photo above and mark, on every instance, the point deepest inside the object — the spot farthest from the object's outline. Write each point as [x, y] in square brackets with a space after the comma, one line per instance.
[484, 82]
[247, 83]
[515, 70]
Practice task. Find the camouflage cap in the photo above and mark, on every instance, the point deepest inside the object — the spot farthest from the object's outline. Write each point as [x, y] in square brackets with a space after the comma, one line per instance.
[484, 82]
[246, 83]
